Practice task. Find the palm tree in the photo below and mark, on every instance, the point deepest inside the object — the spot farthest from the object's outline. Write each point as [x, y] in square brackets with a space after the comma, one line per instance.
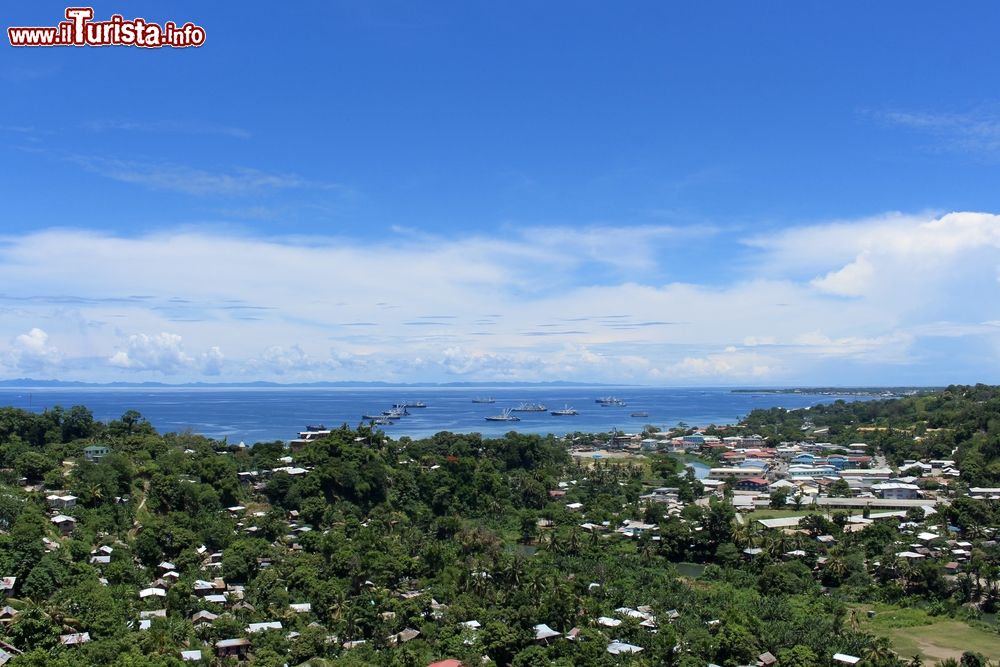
[574, 539]
[907, 570]
[879, 651]
[836, 566]
[61, 619]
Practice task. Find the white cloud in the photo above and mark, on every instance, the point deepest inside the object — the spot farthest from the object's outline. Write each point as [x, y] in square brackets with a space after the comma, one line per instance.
[164, 353]
[212, 361]
[976, 131]
[168, 126]
[193, 181]
[853, 279]
[730, 364]
[31, 352]
[530, 304]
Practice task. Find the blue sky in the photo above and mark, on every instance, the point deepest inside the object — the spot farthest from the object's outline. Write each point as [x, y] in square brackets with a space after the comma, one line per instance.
[709, 193]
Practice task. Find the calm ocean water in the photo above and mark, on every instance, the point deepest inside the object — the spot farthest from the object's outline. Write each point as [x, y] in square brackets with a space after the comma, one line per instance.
[261, 415]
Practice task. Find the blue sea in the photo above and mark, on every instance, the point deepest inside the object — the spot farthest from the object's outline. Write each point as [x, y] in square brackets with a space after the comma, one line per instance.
[266, 414]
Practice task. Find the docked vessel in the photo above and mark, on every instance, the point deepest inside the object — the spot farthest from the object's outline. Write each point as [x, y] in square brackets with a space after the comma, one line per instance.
[530, 407]
[504, 416]
[565, 412]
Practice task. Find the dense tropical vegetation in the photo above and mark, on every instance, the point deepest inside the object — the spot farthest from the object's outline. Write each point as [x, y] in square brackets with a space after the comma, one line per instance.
[383, 537]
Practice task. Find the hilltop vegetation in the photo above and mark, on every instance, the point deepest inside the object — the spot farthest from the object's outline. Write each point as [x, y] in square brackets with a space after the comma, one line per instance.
[396, 547]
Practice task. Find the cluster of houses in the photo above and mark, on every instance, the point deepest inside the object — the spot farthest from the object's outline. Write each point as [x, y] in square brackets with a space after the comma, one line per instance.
[749, 467]
[806, 471]
[217, 597]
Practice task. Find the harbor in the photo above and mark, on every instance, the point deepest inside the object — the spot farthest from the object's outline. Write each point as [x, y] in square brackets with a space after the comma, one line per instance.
[252, 414]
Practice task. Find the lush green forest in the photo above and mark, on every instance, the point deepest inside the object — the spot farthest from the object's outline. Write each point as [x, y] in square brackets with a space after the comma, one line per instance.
[371, 551]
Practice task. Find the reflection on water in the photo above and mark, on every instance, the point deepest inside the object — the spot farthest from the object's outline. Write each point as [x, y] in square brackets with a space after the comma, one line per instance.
[690, 570]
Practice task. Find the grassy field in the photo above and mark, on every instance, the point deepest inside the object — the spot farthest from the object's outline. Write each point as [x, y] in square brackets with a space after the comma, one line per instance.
[780, 514]
[914, 632]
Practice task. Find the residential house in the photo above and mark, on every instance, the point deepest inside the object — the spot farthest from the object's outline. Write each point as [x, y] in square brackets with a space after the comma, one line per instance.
[7, 653]
[61, 502]
[202, 617]
[733, 473]
[95, 453]
[261, 627]
[406, 635]
[618, 647]
[758, 484]
[544, 634]
[7, 614]
[74, 639]
[632, 528]
[896, 491]
[225, 648]
[65, 523]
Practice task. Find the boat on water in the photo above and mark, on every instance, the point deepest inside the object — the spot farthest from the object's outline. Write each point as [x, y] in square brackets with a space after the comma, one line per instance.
[504, 416]
[372, 417]
[639, 414]
[565, 412]
[313, 429]
[410, 404]
[484, 400]
[395, 413]
[530, 407]
[381, 421]
[610, 402]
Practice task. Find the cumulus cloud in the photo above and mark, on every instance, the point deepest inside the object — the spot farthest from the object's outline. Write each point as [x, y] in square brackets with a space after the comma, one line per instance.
[212, 361]
[730, 364]
[879, 290]
[853, 279]
[164, 353]
[31, 352]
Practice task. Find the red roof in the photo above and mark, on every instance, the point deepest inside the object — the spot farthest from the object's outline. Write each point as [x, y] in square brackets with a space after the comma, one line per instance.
[450, 662]
[755, 480]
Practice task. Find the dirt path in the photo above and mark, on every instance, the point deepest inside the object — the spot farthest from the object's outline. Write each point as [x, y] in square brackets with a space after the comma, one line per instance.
[142, 503]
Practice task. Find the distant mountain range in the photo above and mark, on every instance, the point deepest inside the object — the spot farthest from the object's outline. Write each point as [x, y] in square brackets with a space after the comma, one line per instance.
[29, 382]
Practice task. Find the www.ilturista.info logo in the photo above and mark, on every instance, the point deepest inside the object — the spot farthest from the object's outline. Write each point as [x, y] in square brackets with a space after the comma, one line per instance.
[79, 29]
